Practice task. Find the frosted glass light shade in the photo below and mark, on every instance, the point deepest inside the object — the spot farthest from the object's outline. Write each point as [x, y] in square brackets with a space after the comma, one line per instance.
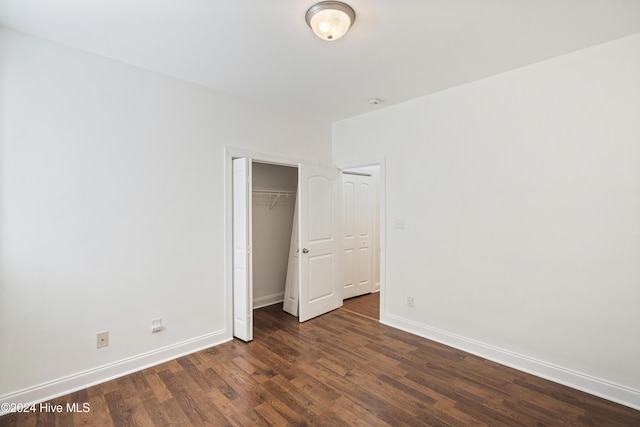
[330, 20]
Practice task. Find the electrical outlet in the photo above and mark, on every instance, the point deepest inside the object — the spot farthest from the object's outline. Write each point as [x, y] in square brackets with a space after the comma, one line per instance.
[410, 302]
[156, 325]
[399, 224]
[102, 339]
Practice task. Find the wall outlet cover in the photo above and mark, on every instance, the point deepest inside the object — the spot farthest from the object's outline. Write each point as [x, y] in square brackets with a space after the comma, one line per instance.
[102, 339]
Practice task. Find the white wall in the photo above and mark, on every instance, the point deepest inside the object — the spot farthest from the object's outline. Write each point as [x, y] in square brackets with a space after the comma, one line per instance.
[112, 211]
[272, 226]
[521, 196]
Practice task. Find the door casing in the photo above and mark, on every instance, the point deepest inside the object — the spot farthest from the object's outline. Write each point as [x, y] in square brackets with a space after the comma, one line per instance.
[230, 154]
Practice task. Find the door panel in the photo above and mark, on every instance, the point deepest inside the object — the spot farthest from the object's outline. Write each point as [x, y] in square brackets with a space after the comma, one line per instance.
[321, 269]
[349, 273]
[364, 270]
[319, 240]
[348, 206]
[349, 239]
[364, 226]
[292, 285]
[242, 258]
[357, 212]
[321, 221]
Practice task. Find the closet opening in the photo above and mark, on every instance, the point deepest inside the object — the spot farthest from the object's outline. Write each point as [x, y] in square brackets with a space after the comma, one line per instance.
[273, 202]
[296, 234]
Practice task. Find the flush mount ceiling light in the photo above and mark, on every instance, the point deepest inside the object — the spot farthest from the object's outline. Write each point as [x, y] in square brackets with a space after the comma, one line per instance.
[330, 20]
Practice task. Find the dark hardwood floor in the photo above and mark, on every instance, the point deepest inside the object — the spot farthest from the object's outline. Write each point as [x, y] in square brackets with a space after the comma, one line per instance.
[365, 305]
[338, 369]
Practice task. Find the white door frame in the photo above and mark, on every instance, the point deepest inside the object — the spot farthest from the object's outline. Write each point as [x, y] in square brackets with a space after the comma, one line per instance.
[381, 188]
[229, 154]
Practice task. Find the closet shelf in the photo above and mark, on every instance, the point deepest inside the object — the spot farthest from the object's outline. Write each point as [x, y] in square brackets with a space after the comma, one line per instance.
[274, 193]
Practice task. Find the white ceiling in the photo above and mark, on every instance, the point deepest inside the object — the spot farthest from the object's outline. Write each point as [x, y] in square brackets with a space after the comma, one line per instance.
[263, 50]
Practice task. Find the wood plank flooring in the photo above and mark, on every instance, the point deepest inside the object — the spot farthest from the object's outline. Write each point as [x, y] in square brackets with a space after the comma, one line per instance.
[338, 369]
[364, 305]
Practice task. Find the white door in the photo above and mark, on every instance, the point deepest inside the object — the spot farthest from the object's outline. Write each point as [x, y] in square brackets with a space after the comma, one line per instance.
[357, 214]
[242, 258]
[292, 284]
[319, 240]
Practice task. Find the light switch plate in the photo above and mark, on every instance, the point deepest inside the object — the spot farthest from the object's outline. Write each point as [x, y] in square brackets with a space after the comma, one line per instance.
[156, 325]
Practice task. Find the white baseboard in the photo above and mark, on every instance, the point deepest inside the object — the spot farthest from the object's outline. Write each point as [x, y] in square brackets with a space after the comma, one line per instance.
[81, 380]
[607, 390]
[268, 300]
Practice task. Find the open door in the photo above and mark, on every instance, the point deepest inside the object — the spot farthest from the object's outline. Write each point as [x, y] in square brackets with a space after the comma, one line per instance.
[292, 284]
[319, 240]
[242, 258]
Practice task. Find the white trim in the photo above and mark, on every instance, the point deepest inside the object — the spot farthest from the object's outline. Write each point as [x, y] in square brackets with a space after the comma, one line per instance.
[268, 300]
[91, 377]
[605, 389]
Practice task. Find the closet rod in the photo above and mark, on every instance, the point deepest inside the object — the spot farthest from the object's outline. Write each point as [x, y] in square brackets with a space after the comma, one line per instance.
[285, 193]
[274, 193]
[356, 173]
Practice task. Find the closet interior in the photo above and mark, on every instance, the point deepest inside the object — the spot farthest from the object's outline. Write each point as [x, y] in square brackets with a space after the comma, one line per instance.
[273, 206]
